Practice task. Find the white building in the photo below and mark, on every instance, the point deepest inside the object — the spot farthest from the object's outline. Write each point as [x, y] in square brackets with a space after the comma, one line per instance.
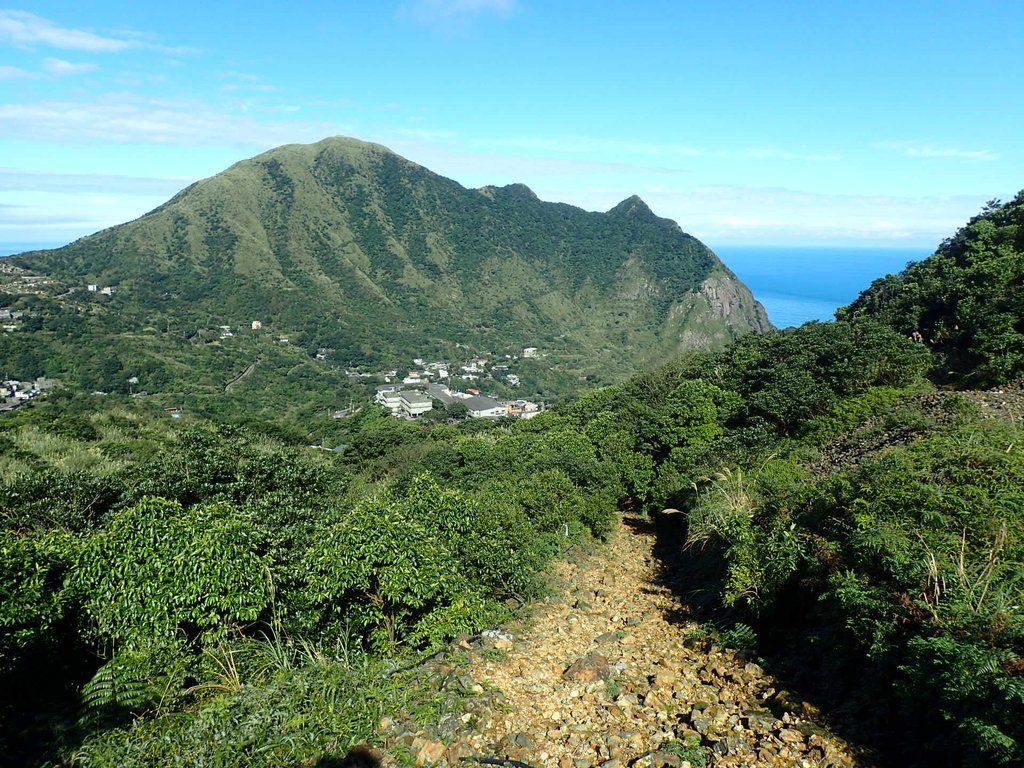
[414, 404]
[389, 397]
[481, 407]
[530, 352]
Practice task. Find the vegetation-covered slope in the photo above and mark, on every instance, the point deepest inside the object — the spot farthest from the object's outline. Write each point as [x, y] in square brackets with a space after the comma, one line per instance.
[226, 596]
[348, 247]
[966, 301]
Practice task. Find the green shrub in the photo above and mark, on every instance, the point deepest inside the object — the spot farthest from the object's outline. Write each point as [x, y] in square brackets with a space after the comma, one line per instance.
[158, 573]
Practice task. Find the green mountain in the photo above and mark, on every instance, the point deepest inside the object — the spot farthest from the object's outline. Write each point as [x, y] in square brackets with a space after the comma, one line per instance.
[966, 302]
[346, 247]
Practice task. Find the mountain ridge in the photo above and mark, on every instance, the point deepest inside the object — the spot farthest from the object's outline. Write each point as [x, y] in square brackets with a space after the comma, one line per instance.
[349, 247]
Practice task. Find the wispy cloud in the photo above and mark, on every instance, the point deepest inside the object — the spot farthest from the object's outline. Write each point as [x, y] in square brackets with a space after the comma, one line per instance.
[152, 121]
[244, 82]
[762, 215]
[445, 12]
[61, 68]
[491, 168]
[18, 180]
[50, 68]
[249, 88]
[972, 154]
[16, 73]
[930, 150]
[25, 29]
[596, 146]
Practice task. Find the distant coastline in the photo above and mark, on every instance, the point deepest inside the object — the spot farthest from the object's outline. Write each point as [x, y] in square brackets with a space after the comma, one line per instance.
[9, 249]
[800, 284]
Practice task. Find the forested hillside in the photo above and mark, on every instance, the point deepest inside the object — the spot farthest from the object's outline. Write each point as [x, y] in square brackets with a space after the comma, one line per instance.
[189, 593]
[966, 302]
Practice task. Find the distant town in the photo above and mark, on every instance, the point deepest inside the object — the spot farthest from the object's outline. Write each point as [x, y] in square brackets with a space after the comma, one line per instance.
[14, 394]
[455, 389]
[414, 394]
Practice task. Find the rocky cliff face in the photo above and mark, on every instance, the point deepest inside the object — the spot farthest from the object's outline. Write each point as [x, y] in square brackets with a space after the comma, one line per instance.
[731, 301]
[712, 316]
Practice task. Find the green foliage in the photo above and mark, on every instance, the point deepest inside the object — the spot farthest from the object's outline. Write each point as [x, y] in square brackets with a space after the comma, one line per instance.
[689, 749]
[911, 561]
[762, 546]
[131, 684]
[32, 598]
[317, 711]
[965, 301]
[388, 569]
[158, 573]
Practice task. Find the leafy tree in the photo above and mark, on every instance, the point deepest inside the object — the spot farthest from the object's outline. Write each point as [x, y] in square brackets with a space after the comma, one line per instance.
[160, 574]
[32, 596]
[386, 571]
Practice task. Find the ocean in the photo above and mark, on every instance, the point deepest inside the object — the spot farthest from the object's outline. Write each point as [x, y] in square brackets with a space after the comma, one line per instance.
[797, 285]
[8, 249]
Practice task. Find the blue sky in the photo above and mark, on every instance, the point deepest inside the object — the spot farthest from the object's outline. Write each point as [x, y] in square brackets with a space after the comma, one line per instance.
[805, 123]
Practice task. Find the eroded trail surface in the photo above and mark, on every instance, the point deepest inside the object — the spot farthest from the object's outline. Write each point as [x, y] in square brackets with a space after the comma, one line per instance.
[606, 674]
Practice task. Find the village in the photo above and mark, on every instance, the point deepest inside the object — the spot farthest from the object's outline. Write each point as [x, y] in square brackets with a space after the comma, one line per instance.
[414, 394]
[14, 394]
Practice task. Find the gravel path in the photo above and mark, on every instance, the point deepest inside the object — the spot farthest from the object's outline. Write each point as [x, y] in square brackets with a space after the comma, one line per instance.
[606, 675]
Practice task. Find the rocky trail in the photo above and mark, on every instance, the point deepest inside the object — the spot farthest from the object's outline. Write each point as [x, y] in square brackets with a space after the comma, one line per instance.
[606, 673]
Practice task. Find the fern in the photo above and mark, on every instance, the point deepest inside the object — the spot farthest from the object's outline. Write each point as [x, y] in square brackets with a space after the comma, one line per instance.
[739, 636]
[114, 693]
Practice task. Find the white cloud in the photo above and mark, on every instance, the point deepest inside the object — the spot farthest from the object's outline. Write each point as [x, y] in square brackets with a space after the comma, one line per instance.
[51, 68]
[61, 68]
[592, 146]
[16, 73]
[19, 180]
[930, 150]
[494, 168]
[151, 121]
[25, 29]
[249, 88]
[764, 216]
[972, 154]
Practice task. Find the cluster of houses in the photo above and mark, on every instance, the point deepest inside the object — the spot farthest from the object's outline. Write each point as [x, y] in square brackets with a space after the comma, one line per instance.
[14, 393]
[412, 395]
[474, 369]
[7, 315]
[106, 290]
[413, 403]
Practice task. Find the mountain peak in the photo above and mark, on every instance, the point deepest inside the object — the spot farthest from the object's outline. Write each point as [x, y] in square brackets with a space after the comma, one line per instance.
[350, 247]
[511, 191]
[633, 206]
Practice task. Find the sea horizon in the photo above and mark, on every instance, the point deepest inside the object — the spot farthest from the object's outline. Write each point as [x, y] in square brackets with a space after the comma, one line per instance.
[800, 284]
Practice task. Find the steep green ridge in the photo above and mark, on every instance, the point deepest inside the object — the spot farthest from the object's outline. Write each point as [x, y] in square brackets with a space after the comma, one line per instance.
[347, 246]
[966, 301]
